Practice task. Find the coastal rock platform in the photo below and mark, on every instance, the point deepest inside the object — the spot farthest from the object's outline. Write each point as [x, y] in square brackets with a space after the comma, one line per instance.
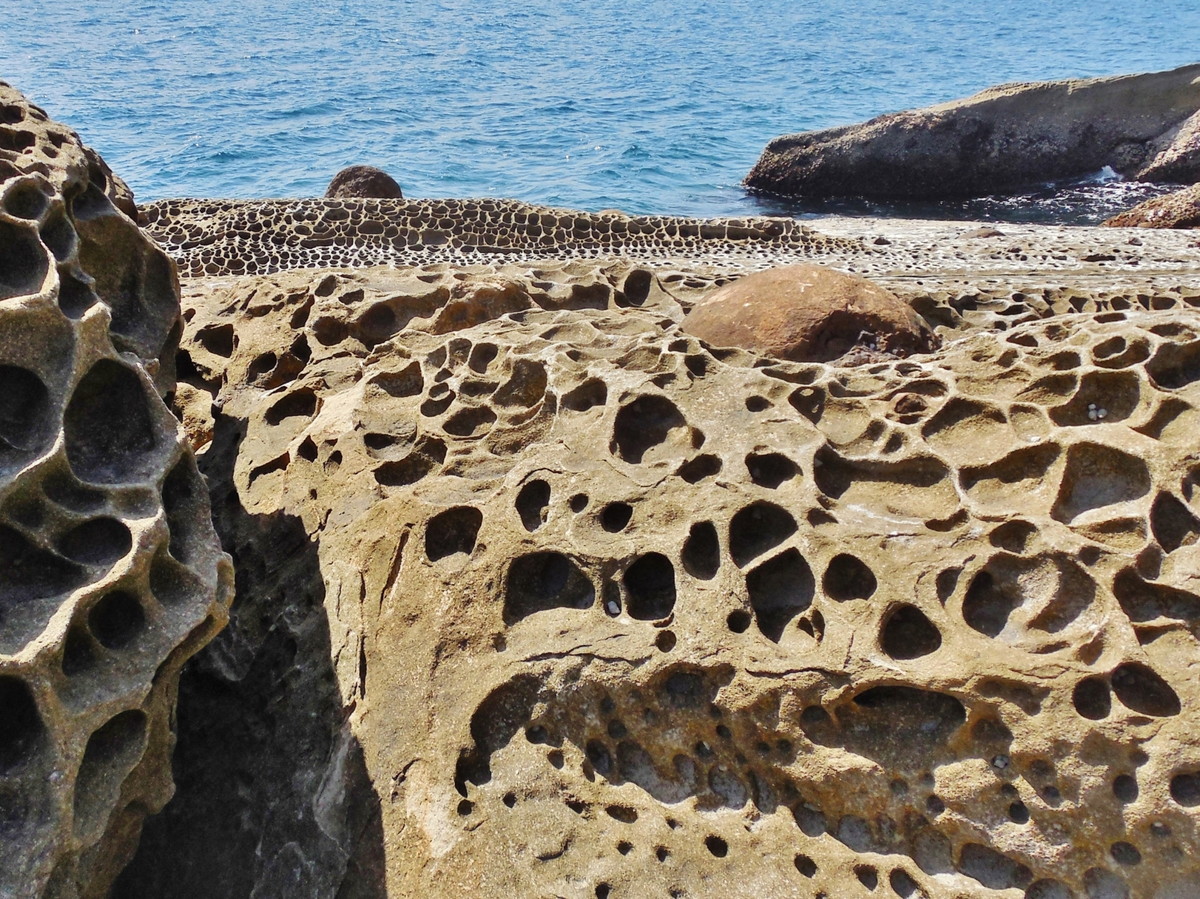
[540, 595]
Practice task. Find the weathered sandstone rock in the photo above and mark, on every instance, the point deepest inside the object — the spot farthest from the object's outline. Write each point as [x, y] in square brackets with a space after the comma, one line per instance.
[1180, 209]
[542, 597]
[808, 313]
[364, 181]
[1146, 127]
[110, 572]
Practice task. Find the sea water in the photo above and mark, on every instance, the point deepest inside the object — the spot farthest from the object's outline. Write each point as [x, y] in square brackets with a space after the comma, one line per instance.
[658, 106]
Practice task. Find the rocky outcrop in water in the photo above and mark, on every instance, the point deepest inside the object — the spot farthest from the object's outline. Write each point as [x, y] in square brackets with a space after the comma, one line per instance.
[1146, 127]
[364, 181]
[1180, 209]
[543, 596]
[110, 572]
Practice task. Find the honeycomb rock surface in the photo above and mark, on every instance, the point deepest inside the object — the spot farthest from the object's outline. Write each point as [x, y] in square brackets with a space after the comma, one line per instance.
[110, 571]
[1146, 127]
[364, 181]
[544, 596]
[808, 313]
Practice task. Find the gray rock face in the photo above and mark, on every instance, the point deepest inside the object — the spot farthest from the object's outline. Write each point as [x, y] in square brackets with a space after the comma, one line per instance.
[110, 572]
[1147, 127]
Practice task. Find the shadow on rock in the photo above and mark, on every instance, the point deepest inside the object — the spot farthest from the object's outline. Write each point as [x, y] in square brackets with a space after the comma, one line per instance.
[272, 797]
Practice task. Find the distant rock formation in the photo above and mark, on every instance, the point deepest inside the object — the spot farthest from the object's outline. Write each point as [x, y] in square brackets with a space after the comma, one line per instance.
[808, 313]
[111, 576]
[1180, 209]
[364, 181]
[1146, 127]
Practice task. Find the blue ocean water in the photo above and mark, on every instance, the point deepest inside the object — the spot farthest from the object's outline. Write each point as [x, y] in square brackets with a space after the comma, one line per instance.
[656, 107]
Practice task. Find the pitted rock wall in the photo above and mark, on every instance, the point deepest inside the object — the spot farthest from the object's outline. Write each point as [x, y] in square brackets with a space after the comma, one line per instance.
[110, 572]
[612, 613]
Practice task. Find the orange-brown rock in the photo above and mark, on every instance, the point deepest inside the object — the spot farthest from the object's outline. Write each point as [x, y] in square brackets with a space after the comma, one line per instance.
[808, 313]
[1180, 209]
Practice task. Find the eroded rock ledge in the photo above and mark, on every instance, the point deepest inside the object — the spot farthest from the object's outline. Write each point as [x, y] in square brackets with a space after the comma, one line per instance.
[592, 609]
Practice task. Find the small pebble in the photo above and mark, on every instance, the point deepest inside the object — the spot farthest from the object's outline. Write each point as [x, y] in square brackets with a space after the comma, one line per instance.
[1000, 761]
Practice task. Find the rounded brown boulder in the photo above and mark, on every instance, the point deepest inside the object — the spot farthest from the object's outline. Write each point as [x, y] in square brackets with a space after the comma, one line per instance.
[808, 313]
[364, 181]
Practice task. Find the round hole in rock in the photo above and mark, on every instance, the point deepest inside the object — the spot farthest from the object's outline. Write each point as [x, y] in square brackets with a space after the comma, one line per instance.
[867, 876]
[665, 641]
[848, 577]
[738, 621]
[24, 262]
[717, 846]
[779, 590]
[25, 200]
[756, 529]
[615, 516]
[805, 865]
[642, 424]
[108, 427]
[770, 469]
[902, 883]
[587, 395]
[546, 580]
[24, 411]
[650, 587]
[533, 500]
[578, 502]
[452, 531]
[908, 634]
[702, 551]
[21, 727]
[1141, 689]
[100, 541]
[1018, 813]
[1092, 698]
[74, 297]
[116, 619]
[1125, 853]
[757, 404]
[1185, 788]
[1125, 787]
[703, 466]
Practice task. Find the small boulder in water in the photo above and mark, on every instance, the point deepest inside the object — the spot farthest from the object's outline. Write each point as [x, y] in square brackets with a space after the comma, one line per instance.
[364, 181]
[808, 313]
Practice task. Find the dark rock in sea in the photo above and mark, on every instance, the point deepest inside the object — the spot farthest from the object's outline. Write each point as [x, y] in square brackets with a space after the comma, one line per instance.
[1180, 209]
[808, 313]
[364, 181]
[1146, 127]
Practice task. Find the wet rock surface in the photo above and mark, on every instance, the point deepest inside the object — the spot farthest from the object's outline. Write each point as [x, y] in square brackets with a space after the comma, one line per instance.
[1145, 127]
[110, 572]
[541, 595]
[1180, 209]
